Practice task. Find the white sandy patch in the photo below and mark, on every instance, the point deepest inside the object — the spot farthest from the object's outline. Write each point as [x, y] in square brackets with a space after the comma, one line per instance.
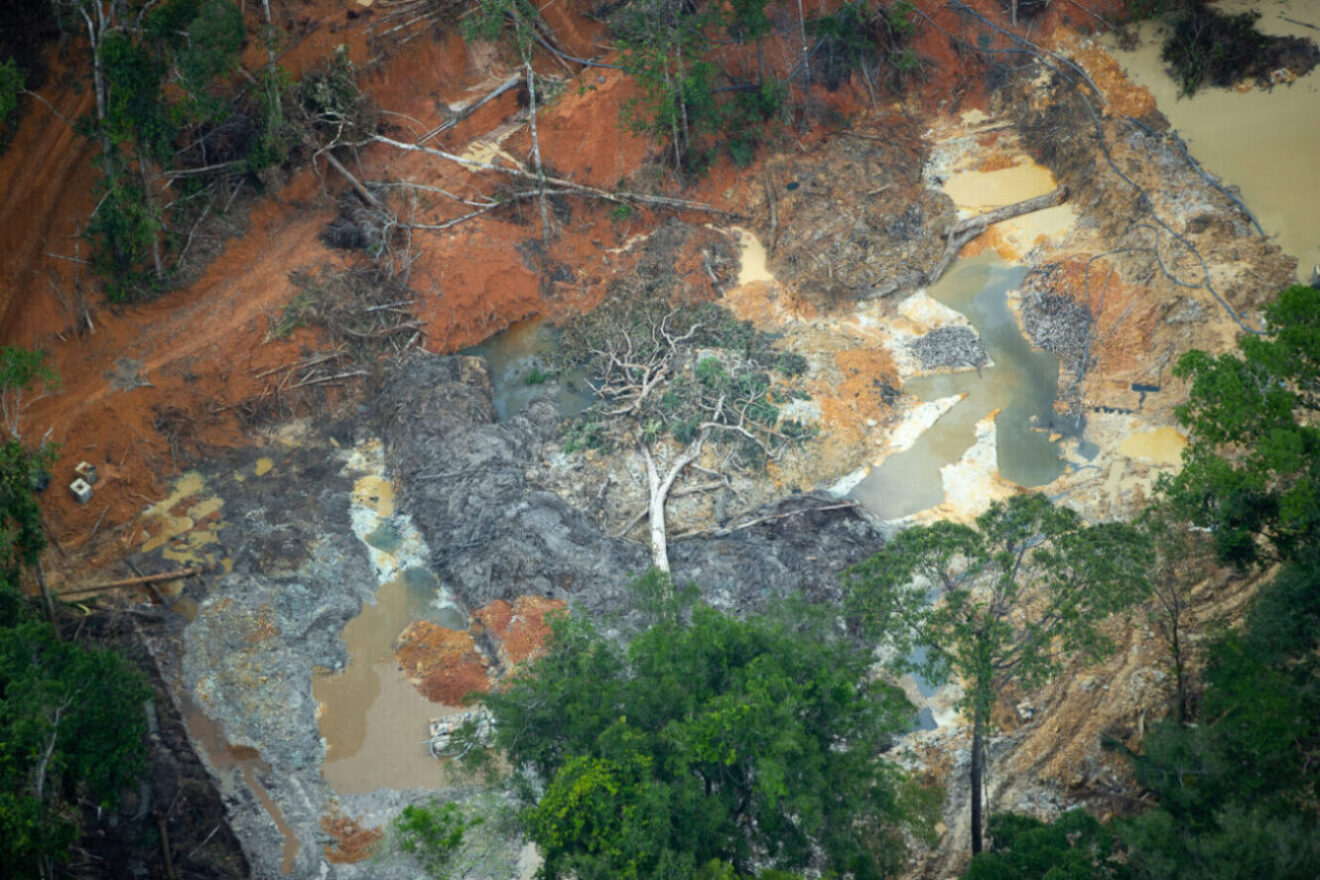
[918, 421]
[927, 313]
[972, 483]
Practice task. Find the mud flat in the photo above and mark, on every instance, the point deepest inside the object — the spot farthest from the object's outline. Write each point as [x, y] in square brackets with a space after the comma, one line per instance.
[1262, 142]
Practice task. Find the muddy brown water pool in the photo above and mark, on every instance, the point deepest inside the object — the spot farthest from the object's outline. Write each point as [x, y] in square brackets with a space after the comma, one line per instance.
[1021, 385]
[1262, 142]
[373, 720]
[376, 721]
[521, 361]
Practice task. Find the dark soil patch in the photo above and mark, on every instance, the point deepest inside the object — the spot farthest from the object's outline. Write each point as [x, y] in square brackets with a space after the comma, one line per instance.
[954, 346]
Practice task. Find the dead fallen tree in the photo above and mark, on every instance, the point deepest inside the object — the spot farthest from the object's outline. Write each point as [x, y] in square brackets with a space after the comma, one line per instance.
[692, 391]
[142, 580]
[620, 197]
[965, 230]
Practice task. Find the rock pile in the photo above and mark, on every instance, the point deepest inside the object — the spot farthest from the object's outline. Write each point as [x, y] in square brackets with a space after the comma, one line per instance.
[949, 347]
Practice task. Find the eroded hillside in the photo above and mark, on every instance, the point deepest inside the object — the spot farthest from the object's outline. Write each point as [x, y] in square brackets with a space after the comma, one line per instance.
[378, 539]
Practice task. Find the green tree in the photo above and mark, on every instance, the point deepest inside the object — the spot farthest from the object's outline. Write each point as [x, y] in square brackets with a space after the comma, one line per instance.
[1004, 602]
[1237, 790]
[137, 47]
[459, 839]
[1183, 561]
[1073, 847]
[664, 48]
[71, 727]
[210, 52]
[11, 87]
[717, 740]
[433, 832]
[25, 378]
[21, 536]
[688, 101]
[1251, 469]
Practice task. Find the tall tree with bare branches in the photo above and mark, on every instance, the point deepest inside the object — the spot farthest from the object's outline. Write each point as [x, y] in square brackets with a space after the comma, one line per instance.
[693, 391]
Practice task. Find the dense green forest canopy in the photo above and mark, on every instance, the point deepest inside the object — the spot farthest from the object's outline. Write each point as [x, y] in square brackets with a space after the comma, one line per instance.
[1251, 471]
[709, 740]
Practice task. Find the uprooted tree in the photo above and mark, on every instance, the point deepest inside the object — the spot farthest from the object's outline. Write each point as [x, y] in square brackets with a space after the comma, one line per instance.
[691, 389]
[1006, 602]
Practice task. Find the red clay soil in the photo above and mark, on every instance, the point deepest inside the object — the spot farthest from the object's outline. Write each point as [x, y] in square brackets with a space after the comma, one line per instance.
[349, 841]
[1113, 304]
[444, 664]
[153, 385]
[520, 629]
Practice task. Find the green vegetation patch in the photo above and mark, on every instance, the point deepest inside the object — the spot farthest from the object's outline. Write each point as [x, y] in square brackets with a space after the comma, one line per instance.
[1208, 47]
[709, 744]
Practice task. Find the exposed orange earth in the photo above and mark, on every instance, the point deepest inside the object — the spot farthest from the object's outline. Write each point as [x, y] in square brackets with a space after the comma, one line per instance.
[443, 663]
[521, 628]
[147, 387]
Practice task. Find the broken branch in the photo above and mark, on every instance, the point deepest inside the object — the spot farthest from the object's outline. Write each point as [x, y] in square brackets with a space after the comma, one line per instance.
[134, 581]
[620, 197]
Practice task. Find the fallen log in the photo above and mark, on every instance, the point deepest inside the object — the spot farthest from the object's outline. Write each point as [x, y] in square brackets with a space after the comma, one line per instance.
[965, 230]
[134, 581]
[357, 185]
[620, 197]
[467, 111]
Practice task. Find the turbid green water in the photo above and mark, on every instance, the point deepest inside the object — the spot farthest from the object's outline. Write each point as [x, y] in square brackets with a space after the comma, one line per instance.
[520, 360]
[1022, 385]
[384, 537]
[427, 601]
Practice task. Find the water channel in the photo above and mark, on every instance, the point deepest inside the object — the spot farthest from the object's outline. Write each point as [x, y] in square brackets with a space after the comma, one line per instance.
[1021, 385]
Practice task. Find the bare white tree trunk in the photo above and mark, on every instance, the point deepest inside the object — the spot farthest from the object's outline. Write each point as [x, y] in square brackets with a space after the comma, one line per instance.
[271, 84]
[95, 31]
[536, 144]
[659, 489]
[39, 773]
[806, 52]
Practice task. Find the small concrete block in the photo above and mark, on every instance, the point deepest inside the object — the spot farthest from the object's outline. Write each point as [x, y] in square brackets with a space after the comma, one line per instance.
[87, 472]
[81, 490]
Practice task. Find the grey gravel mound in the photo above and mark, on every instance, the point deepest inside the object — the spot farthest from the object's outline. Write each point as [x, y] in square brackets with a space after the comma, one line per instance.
[948, 347]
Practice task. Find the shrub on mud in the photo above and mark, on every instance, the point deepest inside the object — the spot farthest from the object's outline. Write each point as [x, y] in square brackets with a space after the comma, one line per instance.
[1209, 47]
[868, 38]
